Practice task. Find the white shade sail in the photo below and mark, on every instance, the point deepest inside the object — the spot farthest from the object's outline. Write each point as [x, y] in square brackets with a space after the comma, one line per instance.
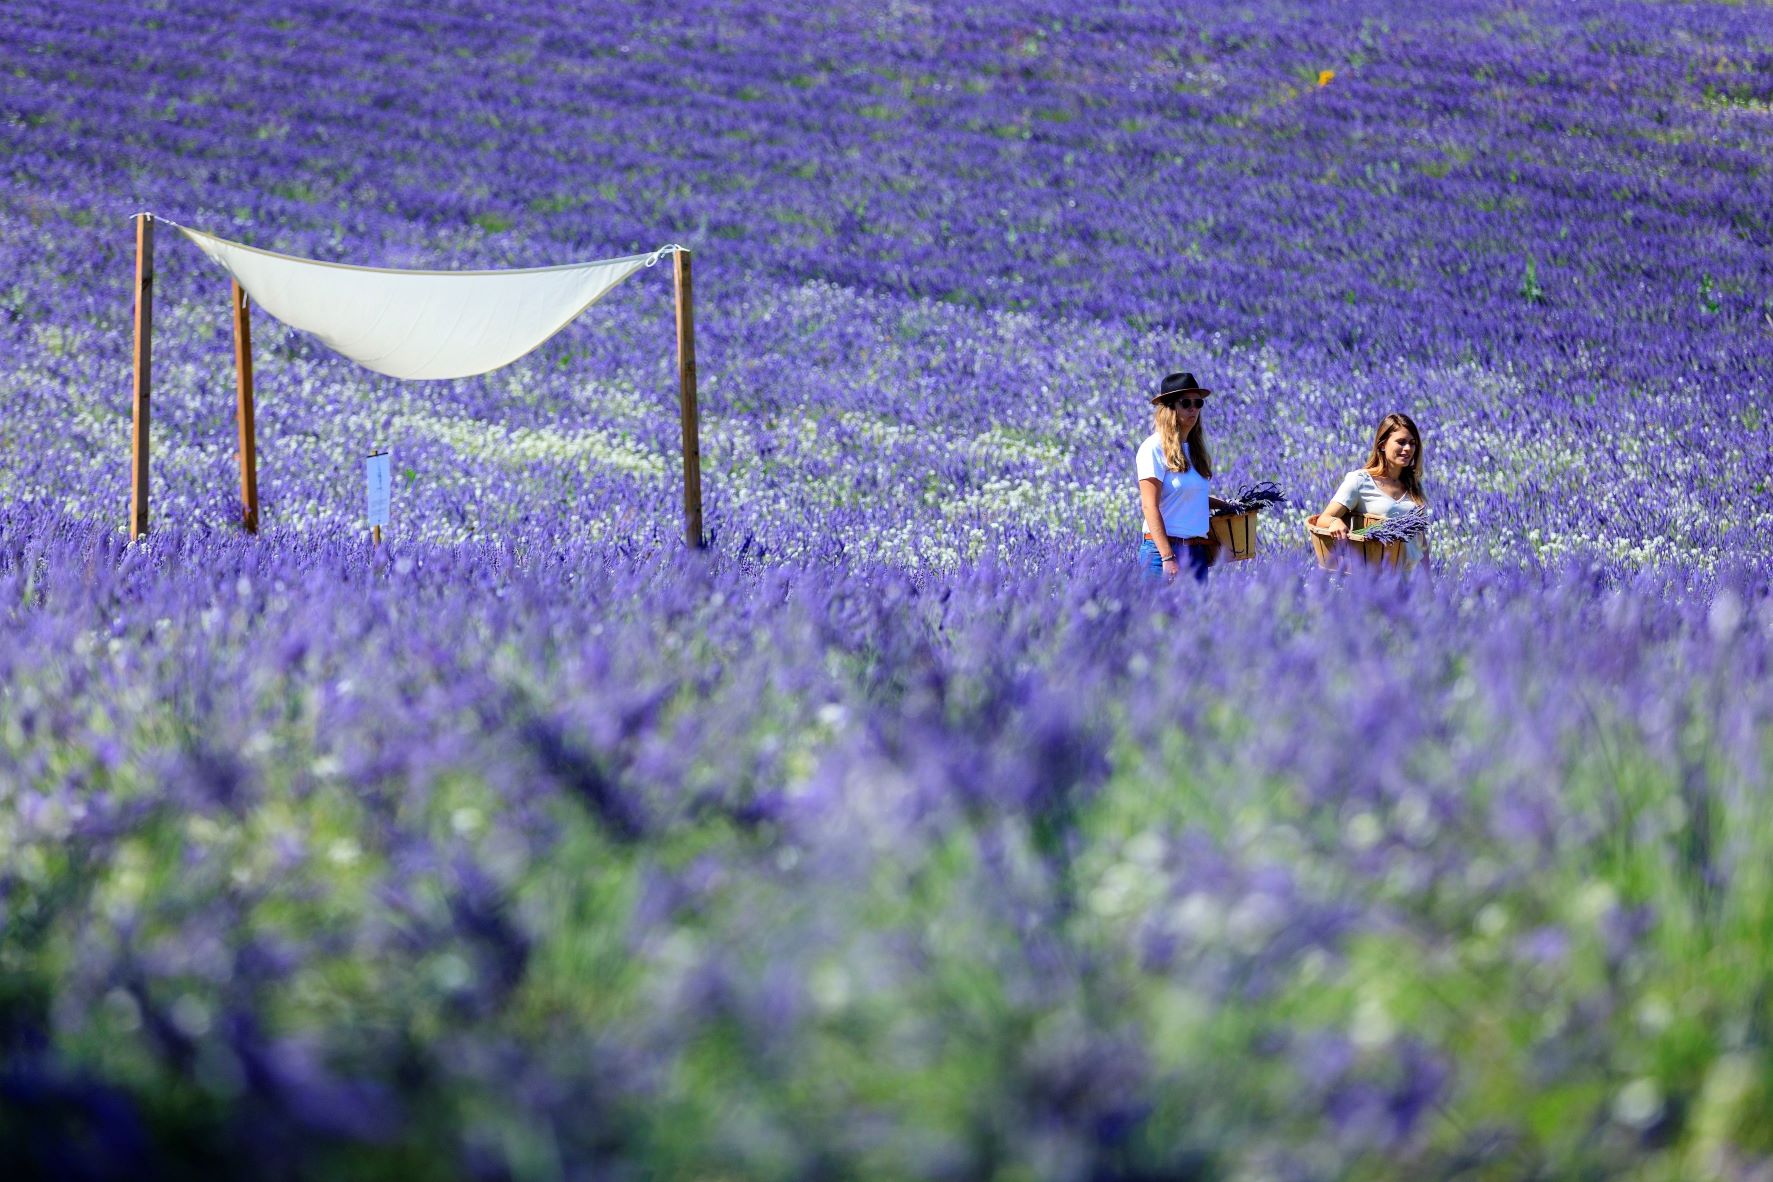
[419, 324]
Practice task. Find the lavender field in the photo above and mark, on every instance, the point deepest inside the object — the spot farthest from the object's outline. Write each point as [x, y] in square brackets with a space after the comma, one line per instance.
[904, 831]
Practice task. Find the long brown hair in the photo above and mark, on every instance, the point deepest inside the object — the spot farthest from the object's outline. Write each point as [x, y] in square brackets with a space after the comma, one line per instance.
[1169, 435]
[1411, 477]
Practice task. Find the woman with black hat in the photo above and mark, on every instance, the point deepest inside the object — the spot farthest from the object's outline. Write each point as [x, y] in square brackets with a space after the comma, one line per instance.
[1174, 474]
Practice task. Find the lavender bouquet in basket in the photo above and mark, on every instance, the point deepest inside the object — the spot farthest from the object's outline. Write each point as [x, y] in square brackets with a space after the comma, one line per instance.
[1406, 526]
[1262, 495]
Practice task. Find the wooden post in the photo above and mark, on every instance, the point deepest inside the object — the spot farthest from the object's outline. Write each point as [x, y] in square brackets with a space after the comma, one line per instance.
[375, 534]
[249, 460]
[686, 390]
[144, 337]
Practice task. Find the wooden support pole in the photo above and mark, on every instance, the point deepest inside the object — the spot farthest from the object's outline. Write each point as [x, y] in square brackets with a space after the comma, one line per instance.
[686, 390]
[144, 338]
[249, 460]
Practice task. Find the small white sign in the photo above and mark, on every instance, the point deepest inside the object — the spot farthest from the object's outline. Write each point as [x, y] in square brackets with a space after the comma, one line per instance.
[376, 470]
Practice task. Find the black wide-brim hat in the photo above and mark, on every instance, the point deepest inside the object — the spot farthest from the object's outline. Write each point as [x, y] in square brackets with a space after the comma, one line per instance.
[1179, 383]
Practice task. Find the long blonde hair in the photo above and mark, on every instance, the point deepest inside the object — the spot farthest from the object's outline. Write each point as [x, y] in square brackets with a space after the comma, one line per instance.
[1411, 477]
[1169, 435]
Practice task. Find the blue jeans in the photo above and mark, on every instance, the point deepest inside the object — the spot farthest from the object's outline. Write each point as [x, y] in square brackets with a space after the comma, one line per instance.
[1198, 558]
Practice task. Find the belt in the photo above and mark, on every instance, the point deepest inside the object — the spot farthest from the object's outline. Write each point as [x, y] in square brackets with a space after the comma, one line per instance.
[1174, 541]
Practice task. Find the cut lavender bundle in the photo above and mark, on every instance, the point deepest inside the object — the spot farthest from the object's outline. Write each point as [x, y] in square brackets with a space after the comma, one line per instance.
[1262, 495]
[1406, 526]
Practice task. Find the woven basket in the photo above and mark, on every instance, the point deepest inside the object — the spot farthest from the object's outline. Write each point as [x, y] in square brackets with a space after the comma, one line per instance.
[1236, 533]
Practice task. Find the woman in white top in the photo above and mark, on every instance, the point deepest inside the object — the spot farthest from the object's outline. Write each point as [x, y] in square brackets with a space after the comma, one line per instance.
[1174, 472]
[1391, 480]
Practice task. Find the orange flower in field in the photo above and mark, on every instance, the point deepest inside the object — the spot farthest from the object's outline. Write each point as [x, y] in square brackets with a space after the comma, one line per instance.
[1324, 76]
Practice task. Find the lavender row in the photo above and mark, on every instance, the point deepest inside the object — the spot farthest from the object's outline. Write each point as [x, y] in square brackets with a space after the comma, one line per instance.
[1038, 161]
[896, 429]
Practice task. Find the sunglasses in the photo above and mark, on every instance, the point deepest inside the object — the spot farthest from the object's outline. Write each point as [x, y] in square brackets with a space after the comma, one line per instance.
[1185, 403]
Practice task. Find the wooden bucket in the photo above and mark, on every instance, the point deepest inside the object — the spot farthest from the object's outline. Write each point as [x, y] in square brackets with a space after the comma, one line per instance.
[1341, 552]
[1236, 534]
[1325, 546]
[1364, 553]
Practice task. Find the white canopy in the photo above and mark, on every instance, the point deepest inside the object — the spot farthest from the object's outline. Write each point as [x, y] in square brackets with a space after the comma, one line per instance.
[419, 324]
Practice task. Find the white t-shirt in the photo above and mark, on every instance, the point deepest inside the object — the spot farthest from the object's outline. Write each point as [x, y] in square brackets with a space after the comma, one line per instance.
[1182, 501]
[1360, 493]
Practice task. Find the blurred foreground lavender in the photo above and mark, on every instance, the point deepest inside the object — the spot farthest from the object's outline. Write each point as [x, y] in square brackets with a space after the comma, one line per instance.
[705, 865]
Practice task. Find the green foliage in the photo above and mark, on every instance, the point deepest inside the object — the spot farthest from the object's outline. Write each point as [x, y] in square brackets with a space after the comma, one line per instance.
[1530, 289]
[296, 191]
[1708, 295]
